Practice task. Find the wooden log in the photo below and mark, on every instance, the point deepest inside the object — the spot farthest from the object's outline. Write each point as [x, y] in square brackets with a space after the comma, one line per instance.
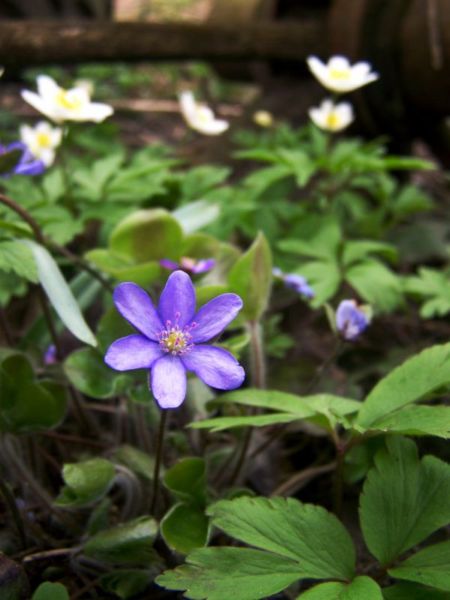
[25, 43]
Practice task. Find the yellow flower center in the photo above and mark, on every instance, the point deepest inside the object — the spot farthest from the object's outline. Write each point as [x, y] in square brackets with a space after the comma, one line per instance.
[342, 74]
[43, 140]
[175, 340]
[332, 120]
[67, 100]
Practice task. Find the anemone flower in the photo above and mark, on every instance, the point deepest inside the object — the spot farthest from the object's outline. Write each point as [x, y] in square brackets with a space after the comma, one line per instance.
[338, 75]
[332, 117]
[171, 339]
[200, 117]
[351, 319]
[61, 105]
[42, 140]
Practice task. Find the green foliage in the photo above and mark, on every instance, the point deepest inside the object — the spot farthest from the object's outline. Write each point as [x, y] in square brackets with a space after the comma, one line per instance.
[85, 482]
[126, 583]
[51, 591]
[430, 566]
[403, 500]
[360, 587]
[432, 287]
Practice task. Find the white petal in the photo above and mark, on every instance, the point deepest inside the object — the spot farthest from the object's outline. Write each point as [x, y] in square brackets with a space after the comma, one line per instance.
[41, 105]
[47, 87]
[317, 68]
[338, 63]
[47, 156]
[95, 111]
[188, 105]
[213, 127]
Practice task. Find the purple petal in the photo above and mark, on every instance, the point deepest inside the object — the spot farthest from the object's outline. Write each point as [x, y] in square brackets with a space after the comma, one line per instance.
[214, 316]
[135, 305]
[215, 366]
[132, 352]
[203, 266]
[169, 264]
[168, 381]
[177, 301]
[351, 321]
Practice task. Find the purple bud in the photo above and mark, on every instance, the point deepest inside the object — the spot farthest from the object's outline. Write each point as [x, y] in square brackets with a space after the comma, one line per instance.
[294, 282]
[351, 320]
[50, 355]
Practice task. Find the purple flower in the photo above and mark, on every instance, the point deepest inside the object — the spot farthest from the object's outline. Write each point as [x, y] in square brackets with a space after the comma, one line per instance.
[171, 338]
[27, 163]
[50, 355]
[295, 282]
[190, 265]
[351, 319]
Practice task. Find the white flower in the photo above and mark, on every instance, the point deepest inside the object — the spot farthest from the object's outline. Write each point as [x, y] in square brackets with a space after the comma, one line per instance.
[339, 76]
[60, 105]
[41, 140]
[332, 117]
[200, 117]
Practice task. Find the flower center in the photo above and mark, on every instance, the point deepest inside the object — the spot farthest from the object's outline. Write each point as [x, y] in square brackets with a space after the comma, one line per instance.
[175, 340]
[340, 73]
[67, 100]
[43, 140]
[332, 120]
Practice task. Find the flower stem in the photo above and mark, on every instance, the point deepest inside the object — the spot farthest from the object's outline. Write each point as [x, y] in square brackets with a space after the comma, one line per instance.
[158, 459]
[258, 375]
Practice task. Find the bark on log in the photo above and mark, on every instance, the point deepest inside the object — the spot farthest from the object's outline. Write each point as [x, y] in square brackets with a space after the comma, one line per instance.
[24, 43]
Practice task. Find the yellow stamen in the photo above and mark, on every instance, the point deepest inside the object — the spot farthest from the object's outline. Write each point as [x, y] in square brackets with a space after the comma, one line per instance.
[332, 120]
[43, 140]
[340, 73]
[65, 100]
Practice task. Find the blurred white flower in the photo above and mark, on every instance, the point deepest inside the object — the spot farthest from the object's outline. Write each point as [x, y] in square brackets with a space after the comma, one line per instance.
[263, 118]
[338, 75]
[332, 117]
[200, 117]
[41, 140]
[60, 105]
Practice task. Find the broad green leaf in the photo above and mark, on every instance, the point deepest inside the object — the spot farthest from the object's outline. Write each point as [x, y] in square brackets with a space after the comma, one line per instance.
[222, 423]
[187, 480]
[138, 461]
[317, 237]
[325, 278]
[231, 573]
[303, 167]
[126, 583]
[85, 481]
[146, 235]
[184, 528]
[376, 284]
[17, 258]
[251, 278]
[412, 381]
[51, 591]
[356, 250]
[128, 543]
[87, 371]
[417, 420]
[122, 268]
[404, 500]
[261, 180]
[195, 215]
[413, 591]
[430, 566]
[361, 588]
[59, 294]
[301, 532]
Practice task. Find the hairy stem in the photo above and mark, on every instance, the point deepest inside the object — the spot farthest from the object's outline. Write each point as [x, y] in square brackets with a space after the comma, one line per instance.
[158, 459]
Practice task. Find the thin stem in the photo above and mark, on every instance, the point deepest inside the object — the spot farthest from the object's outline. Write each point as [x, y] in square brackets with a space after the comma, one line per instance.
[25, 215]
[258, 373]
[297, 481]
[339, 479]
[158, 459]
[15, 513]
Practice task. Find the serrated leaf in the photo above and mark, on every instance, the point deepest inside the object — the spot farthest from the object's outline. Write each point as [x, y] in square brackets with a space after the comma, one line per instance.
[430, 566]
[412, 381]
[238, 573]
[417, 420]
[361, 588]
[59, 294]
[185, 527]
[376, 284]
[404, 500]
[251, 278]
[127, 543]
[85, 481]
[291, 529]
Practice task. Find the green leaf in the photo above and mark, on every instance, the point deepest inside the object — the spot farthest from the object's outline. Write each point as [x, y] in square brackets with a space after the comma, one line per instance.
[303, 168]
[128, 543]
[413, 591]
[238, 573]
[187, 481]
[51, 591]
[417, 420]
[361, 588]
[126, 583]
[430, 566]
[251, 278]
[412, 381]
[18, 259]
[87, 371]
[196, 215]
[138, 461]
[404, 500]
[85, 482]
[222, 423]
[146, 235]
[434, 288]
[301, 532]
[184, 528]
[317, 237]
[356, 250]
[59, 294]
[376, 284]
